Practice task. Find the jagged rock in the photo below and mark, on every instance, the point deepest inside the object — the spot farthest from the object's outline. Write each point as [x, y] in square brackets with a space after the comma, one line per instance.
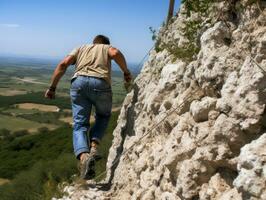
[200, 109]
[219, 189]
[251, 180]
[182, 128]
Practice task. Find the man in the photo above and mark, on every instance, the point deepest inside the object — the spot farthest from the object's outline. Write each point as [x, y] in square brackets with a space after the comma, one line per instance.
[90, 86]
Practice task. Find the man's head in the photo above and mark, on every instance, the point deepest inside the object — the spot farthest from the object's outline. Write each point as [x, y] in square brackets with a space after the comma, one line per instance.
[101, 39]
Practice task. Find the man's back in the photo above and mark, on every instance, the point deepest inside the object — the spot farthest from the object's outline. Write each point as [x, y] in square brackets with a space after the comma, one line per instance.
[93, 60]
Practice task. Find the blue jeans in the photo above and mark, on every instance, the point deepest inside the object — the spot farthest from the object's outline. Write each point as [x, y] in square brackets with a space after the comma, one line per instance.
[86, 92]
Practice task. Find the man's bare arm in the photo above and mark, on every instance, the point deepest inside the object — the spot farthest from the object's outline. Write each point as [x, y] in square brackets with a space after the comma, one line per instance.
[61, 69]
[119, 58]
[58, 73]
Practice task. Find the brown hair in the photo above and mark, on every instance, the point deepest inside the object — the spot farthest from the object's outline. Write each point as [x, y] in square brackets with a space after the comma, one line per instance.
[101, 39]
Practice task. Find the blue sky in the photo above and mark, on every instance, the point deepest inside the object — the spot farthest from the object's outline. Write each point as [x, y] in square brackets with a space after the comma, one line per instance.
[52, 28]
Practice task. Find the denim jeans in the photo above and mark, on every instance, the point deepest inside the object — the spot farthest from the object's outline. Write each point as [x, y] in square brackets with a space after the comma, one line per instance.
[86, 92]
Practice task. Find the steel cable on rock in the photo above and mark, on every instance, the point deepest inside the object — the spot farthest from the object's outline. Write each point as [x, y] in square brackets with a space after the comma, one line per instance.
[168, 114]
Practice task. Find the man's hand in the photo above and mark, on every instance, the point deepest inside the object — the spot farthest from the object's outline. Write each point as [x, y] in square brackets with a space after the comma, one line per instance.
[127, 77]
[58, 73]
[49, 94]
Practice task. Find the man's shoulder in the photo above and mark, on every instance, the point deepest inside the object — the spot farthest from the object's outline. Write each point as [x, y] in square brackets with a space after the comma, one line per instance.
[86, 46]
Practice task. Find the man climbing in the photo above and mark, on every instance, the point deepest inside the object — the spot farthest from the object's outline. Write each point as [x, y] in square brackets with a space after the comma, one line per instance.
[90, 86]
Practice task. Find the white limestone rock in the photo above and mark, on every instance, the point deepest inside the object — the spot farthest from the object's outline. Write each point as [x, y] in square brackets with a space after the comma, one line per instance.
[218, 189]
[200, 109]
[251, 180]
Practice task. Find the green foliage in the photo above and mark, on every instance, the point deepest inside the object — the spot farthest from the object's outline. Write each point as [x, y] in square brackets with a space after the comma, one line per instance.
[186, 53]
[35, 97]
[40, 182]
[157, 45]
[43, 130]
[43, 117]
[14, 123]
[199, 6]
[192, 48]
[6, 135]
[21, 133]
[23, 152]
[4, 132]
[190, 32]
[153, 32]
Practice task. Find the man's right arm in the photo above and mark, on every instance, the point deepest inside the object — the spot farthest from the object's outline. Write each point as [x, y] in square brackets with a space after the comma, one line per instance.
[119, 58]
[58, 73]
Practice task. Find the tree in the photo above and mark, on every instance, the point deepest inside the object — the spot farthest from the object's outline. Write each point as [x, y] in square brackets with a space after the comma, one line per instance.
[170, 10]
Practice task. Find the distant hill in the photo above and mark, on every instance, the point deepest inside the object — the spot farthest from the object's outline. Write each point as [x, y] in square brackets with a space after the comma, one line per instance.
[50, 63]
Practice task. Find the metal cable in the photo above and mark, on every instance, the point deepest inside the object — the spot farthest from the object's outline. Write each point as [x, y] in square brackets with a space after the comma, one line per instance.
[168, 114]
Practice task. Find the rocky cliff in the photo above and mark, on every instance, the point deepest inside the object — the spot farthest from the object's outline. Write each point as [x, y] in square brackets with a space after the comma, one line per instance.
[193, 127]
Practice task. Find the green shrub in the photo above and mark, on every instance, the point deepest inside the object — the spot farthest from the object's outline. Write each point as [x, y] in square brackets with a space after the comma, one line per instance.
[199, 6]
[188, 51]
[43, 130]
[44, 117]
[4, 133]
[40, 181]
[153, 32]
[20, 133]
[37, 164]
[190, 32]
[23, 152]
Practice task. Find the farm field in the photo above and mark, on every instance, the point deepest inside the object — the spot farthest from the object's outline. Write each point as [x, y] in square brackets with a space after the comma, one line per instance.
[10, 92]
[15, 124]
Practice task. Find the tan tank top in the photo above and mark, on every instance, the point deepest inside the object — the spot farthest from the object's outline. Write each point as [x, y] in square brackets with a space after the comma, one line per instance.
[93, 60]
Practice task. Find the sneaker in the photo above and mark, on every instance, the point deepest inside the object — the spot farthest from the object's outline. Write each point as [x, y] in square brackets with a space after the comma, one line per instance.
[95, 154]
[87, 167]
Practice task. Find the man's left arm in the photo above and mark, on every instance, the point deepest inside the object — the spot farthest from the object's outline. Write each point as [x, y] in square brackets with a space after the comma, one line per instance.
[58, 73]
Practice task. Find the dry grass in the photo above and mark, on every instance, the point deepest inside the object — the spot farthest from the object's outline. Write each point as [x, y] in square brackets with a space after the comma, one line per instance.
[40, 107]
[9, 92]
[4, 181]
[66, 120]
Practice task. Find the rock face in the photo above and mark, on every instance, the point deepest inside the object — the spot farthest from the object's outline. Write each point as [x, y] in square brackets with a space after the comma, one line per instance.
[252, 169]
[194, 129]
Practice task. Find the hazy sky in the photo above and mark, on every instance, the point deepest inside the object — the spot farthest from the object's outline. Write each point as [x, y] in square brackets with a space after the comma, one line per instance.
[52, 28]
